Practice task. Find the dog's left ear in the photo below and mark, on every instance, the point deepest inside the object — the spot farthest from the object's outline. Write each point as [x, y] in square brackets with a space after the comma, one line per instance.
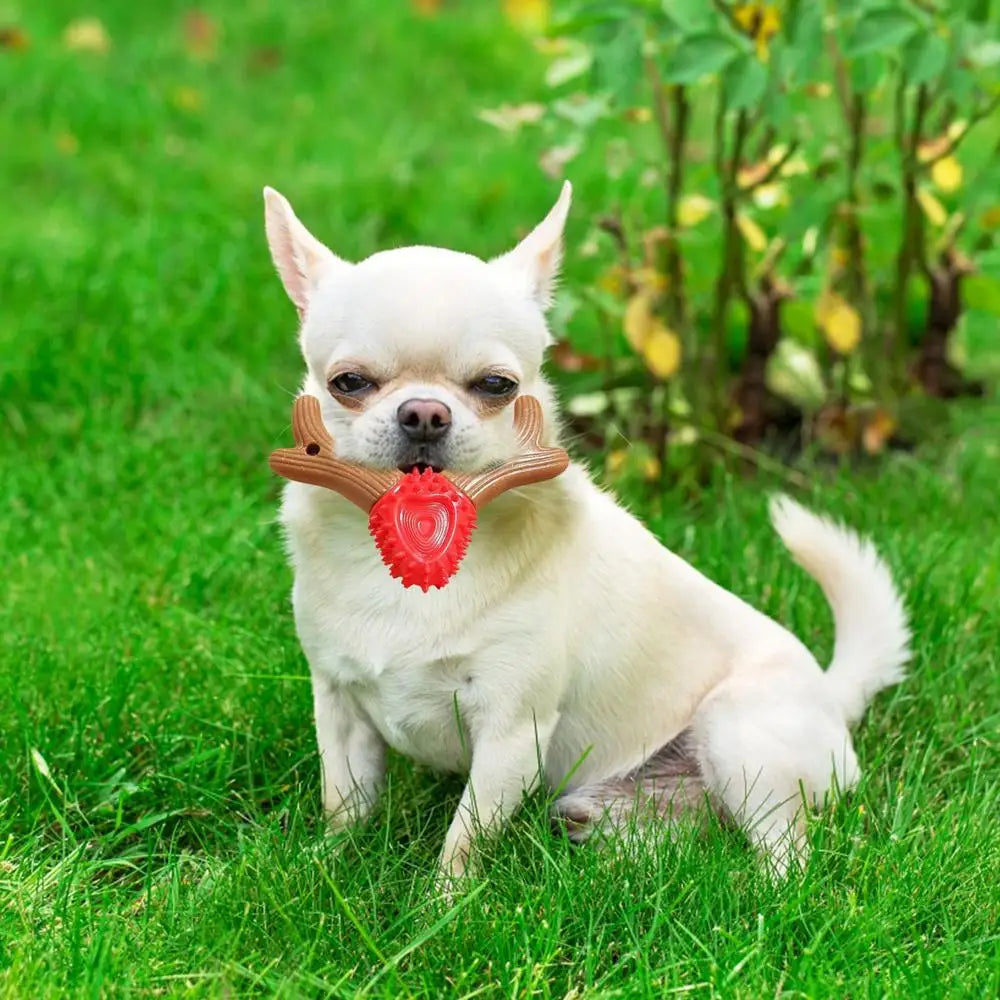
[536, 259]
[301, 260]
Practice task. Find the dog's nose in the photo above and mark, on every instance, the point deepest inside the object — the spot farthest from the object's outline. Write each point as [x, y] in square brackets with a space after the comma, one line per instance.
[424, 419]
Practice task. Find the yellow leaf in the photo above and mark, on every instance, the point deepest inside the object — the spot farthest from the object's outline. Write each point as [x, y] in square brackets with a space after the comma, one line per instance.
[662, 352]
[623, 461]
[821, 90]
[770, 21]
[839, 258]
[744, 15]
[87, 34]
[878, 431]
[776, 152]
[929, 149]
[693, 208]
[640, 115]
[648, 279]
[794, 166]
[529, 16]
[638, 320]
[760, 21]
[839, 321]
[612, 280]
[947, 174]
[752, 233]
[770, 196]
[510, 117]
[933, 209]
[753, 173]
[615, 461]
[553, 161]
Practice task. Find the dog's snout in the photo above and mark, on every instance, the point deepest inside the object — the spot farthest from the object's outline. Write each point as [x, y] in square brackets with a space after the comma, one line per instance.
[424, 419]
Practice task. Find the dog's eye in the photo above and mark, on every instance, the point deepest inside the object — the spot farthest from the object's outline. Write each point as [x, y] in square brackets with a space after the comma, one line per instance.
[494, 385]
[351, 383]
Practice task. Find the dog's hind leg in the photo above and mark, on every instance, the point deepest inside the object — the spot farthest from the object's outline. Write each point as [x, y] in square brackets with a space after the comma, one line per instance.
[770, 744]
[666, 789]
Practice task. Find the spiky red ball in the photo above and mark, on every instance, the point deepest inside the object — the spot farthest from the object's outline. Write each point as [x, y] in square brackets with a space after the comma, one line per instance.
[422, 528]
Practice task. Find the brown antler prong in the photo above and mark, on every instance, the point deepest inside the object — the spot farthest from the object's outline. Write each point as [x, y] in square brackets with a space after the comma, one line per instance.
[536, 465]
[314, 461]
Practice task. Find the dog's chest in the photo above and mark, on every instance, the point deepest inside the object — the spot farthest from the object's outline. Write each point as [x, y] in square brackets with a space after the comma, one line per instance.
[426, 668]
[415, 662]
[423, 698]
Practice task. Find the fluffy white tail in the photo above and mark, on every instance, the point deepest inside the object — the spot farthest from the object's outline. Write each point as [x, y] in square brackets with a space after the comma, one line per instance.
[872, 635]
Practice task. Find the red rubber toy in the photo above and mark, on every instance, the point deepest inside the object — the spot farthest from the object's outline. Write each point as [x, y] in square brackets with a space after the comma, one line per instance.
[422, 527]
[421, 521]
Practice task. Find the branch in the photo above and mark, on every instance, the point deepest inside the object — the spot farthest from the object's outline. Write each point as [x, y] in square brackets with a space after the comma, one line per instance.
[773, 170]
[983, 111]
[770, 259]
[841, 82]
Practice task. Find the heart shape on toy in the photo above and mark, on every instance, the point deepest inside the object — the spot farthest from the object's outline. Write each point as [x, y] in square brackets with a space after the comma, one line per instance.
[422, 527]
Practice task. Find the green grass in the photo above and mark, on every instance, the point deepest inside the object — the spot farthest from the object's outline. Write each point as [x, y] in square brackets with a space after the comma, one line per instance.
[159, 812]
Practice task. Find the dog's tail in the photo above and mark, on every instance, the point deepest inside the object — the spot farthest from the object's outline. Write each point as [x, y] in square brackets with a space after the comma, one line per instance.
[872, 634]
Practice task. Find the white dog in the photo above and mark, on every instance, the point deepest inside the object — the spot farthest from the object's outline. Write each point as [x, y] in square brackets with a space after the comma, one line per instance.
[571, 645]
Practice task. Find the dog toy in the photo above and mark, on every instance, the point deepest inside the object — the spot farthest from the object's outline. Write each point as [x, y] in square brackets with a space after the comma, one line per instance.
[421, 520]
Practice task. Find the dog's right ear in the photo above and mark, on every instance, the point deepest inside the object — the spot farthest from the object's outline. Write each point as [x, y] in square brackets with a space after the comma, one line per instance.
[300, 258]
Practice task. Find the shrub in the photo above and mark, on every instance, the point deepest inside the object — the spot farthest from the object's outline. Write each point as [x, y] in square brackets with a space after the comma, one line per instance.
[789, 223]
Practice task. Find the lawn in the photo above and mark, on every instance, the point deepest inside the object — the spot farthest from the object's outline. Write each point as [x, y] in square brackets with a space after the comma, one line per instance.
[160, 830]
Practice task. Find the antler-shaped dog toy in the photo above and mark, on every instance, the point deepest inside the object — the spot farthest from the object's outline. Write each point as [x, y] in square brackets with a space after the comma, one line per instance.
[421, 521]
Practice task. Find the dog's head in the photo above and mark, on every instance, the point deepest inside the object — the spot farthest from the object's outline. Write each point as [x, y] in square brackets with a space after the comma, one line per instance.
[418, 353]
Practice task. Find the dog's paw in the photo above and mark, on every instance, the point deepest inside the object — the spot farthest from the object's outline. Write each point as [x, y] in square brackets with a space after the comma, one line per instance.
[579, 816]
[455, 870]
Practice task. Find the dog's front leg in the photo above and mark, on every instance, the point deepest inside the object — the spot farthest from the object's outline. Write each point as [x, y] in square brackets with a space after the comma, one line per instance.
[506, 762]
[352, 755]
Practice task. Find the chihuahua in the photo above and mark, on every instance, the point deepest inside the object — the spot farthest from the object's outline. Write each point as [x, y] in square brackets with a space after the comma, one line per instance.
[572, 648]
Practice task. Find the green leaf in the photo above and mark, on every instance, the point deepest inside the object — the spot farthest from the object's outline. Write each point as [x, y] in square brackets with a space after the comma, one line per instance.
[745, 80]
[690, 15]
[582, 112]
[978, 11]
[798, 318]
[587, 15]
[867, 71]
[985, 54]
[982, 292]
[924, 57]
[618, 60]
[805, 48]
[880, 29]
[700, 54]
[568, 67]
[793, 373]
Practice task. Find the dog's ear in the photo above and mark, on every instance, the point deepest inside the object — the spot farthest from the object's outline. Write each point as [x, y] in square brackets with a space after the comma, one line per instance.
[535, 260]
[300, 258]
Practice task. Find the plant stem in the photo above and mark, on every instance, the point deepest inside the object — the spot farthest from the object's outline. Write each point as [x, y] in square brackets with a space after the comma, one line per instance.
[672, 124]
[731, 272]
[911, 240]
[676, 299]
